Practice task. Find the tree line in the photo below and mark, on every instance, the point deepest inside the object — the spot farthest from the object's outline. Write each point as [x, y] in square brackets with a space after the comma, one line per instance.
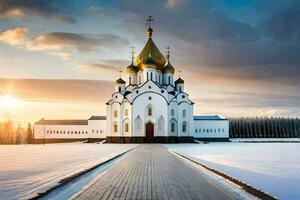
[264, 127]
[11, 134]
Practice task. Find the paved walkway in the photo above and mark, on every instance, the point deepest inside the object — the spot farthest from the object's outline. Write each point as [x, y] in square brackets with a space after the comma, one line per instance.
[151, 172]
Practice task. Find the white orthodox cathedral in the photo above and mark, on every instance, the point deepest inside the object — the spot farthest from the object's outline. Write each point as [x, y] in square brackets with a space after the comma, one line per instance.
[147, 106]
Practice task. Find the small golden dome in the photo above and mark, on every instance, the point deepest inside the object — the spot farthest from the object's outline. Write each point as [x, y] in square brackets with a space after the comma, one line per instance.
[120, 81]
[131, 68]
[179, 81]
[169, 68]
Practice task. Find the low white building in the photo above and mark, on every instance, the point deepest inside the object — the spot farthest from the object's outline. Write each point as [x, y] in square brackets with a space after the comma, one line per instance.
[150, 106]
[93, 129]
[211, 128]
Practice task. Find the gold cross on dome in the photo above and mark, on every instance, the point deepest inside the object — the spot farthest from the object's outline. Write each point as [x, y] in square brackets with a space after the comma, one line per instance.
[168, 52]
[132, 52]
[149, 21]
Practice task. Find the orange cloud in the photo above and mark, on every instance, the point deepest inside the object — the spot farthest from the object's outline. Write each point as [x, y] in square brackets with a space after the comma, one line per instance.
[15, 37]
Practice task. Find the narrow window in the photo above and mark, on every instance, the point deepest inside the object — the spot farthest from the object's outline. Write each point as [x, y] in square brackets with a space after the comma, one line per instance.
[172, 112]
[173, 127]
[147, 76]
[115, 113]
[115, 128]
[180, 89]
[184, 113]
[183, 128]
[119, 89]
[149, 111]
[126, 127]
[169, 78]
[126, 112]
[151, 76]
[129, 80]
[140, 79]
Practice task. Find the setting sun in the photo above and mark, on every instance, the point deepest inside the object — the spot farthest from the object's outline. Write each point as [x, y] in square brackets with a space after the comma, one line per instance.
[8, 101]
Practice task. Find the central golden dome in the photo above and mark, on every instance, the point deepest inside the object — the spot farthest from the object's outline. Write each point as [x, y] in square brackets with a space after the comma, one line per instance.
[150, 49]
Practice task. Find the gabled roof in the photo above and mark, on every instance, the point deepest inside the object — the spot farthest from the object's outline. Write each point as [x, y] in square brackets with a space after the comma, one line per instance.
[97, 118]
[62, 122]
[213, 117]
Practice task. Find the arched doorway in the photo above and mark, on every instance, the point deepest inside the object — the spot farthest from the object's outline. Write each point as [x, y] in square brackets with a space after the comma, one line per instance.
[149, 132]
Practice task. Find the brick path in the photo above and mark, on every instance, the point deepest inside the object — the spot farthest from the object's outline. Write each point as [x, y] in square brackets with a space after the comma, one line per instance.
[151, 172]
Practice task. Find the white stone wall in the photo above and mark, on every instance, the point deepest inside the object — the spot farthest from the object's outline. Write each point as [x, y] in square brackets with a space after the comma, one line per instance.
[211, 129]
[97, 128]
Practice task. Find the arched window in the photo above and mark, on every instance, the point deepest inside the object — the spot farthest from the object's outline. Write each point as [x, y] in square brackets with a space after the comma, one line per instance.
[173, 127]
[172, 112]
[169, 79]
[115, 113]
[138, 123]
[180, 89]
[184, 127]
[126, 112]
[184, 113]
[161, 123]
[115, 128]
[119, 89]
[151, 76]
[126, 127]
[147, 76]
[149, 111]
[129, 80]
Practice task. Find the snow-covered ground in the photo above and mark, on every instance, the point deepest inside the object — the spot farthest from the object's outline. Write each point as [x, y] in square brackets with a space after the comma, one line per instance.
[26, 170]
[271, 167]
[265, 139]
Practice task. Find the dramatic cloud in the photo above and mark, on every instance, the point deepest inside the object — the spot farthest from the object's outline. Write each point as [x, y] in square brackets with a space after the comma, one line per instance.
[80, 42]
[60, 40]
[55, 10]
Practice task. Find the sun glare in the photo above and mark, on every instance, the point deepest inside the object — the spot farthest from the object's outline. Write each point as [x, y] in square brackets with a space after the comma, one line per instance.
[8, 101]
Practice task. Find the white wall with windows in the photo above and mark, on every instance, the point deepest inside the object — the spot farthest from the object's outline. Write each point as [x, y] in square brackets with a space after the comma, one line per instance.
[70, 129]
[211, 128]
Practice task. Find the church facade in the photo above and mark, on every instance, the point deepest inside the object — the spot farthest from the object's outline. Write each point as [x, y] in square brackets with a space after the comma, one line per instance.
[148, 105]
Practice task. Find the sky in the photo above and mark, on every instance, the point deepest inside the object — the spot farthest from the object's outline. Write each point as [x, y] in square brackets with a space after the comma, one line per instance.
[59, 59]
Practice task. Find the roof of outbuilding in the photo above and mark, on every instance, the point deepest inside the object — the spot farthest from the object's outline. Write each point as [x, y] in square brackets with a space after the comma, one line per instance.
[97, 118]
[213, 117]
[63, 122]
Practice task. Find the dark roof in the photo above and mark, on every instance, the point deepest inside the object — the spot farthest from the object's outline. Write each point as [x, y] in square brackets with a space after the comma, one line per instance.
[63, 122]
[214, 117]
[179, 81]
[97, 118]
[120, 81]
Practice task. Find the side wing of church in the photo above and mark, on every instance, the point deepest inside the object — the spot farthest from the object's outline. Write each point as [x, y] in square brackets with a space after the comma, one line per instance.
[150, 106]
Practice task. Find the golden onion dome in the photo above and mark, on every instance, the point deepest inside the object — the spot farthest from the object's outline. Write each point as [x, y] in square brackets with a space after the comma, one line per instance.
[149, 62]
[169, 68]
[120, 81]
[179, 81]
[150, 49]
[131, 68]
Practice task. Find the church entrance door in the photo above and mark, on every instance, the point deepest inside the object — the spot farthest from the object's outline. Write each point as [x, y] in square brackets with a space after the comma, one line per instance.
[149, 132]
